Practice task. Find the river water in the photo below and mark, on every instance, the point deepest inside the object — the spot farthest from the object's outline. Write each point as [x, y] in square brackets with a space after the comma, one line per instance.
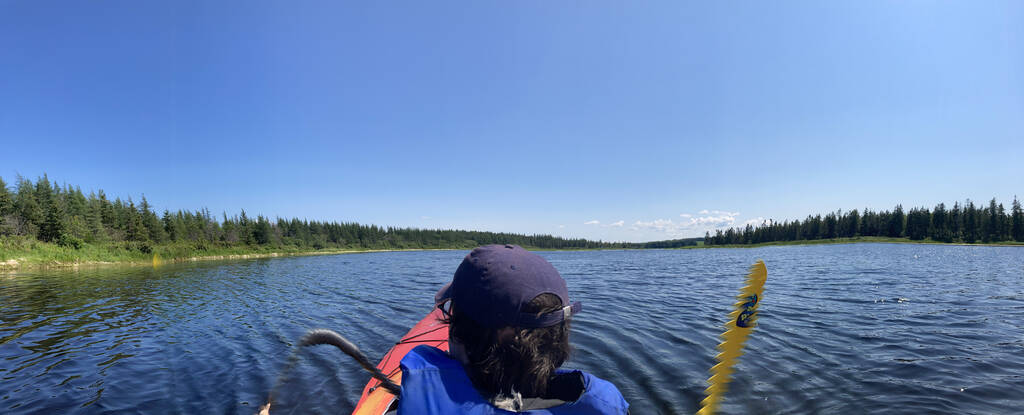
[864, 328]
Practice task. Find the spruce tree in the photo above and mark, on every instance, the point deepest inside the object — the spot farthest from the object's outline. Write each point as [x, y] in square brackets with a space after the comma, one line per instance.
[853, 224]
[262, 230]
[1003, 228]
[26, 207]
[107, 214]
[940, 224]
[831, 226]
[94, 220]
[917, 223]
[6, 201]
[152, 223]
[970, 223]
[135, 229]
[992, 228]
[53, 226]
[956, 222]
[896, 222]
[170, 226]
[1018, 221]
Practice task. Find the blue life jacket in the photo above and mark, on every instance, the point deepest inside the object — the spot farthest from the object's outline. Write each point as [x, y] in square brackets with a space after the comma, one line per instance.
[434, 383]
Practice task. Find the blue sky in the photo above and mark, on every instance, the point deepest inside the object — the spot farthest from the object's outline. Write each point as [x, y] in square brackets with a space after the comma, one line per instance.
[530, 117]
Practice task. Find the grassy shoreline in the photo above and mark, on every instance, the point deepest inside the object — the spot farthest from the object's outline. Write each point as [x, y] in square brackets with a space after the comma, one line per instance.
[859, 239]
[24, 253]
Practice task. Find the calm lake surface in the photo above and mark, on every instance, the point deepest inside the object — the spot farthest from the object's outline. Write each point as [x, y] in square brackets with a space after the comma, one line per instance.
[865, 328]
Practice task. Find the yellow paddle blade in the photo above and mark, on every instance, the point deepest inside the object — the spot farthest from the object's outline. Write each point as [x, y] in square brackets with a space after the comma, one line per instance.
[156, 260]
[741, 322]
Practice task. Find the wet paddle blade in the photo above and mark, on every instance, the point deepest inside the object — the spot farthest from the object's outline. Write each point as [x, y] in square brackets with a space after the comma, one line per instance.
[741, 322]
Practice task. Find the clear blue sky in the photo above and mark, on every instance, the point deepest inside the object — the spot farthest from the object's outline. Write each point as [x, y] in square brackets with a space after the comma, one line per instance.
[530, 117]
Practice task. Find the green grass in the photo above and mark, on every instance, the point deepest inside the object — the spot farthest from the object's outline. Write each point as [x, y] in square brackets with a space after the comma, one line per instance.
[31, 252]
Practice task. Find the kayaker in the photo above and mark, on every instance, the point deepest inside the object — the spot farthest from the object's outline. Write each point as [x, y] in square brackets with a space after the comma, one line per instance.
[509, 315]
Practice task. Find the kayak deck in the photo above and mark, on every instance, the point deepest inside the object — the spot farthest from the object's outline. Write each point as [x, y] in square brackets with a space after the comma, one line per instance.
[430, 331]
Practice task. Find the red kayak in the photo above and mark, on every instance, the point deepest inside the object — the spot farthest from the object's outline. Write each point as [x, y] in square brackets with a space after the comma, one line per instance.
[429, 331]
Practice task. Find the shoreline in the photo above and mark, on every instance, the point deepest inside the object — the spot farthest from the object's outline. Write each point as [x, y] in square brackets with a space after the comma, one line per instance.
[25, 262]
[15, 264]
[859, 239]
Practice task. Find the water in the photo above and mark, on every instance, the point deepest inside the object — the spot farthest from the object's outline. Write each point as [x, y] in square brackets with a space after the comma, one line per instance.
[842, 329]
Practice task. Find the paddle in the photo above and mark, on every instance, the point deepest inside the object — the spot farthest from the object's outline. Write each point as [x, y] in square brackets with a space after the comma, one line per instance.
[324, 336]
[741, 323]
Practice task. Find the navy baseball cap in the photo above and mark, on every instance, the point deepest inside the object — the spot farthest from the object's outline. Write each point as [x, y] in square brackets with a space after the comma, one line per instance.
[494, 282]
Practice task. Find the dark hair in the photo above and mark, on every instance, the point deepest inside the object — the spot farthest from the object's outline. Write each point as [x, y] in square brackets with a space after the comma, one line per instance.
[513, 358]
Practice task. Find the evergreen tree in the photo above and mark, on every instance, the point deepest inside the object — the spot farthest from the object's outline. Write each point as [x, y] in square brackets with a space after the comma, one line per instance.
[262, 231]
[896, 223]
[61, 213]
[852, 224]
[44, 191]
[53, 226]
[135, 228]
[831, 228]
[1018, 221]
[244, 229]
[75, 202]
[940, 224]
[956, 222]
[108, 215]
[6, 201]
[970, 223]
[170, 226]
[918, 221]
[1003, 226]
[94, 220]
[27, 208]
[151, 222]
[992, 225]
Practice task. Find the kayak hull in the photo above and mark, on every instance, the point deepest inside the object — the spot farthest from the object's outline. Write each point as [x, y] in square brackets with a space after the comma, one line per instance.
[430, 331]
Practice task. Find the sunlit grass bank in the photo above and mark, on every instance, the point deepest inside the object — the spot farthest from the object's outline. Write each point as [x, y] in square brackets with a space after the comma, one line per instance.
[859, 239]
[21, 251]
[16, 252]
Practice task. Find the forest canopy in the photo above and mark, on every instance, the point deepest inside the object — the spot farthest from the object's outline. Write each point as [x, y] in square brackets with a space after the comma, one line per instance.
[964, 223]
[64, 215]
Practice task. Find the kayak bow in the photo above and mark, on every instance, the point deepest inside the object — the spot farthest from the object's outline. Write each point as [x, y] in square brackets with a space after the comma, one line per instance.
[431, 331]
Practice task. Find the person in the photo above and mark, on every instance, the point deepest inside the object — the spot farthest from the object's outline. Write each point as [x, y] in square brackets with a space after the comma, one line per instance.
[509, 316]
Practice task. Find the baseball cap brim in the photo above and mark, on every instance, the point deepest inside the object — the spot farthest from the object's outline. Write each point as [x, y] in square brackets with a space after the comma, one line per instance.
[533, 321]
[529, 320]
[443, 295]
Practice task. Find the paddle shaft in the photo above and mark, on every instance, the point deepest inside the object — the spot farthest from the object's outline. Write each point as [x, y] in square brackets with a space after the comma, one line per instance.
[324, 336]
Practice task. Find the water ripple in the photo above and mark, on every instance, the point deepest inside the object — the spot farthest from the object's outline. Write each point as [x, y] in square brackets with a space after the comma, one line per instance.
[842, 329]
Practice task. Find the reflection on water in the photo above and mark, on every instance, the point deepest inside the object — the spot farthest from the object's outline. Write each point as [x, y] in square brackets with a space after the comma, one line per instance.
[842, 329]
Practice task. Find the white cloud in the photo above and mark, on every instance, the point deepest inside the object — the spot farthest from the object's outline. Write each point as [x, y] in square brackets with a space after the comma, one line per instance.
[705, 220]
[662, 225]
[561, 226]
[425, 217]
[755, 222]
[617, 224]
[713, 220]
[592, 222]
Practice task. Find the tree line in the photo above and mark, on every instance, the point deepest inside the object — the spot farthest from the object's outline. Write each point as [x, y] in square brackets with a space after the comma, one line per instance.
[966, 223]
[68, 217]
